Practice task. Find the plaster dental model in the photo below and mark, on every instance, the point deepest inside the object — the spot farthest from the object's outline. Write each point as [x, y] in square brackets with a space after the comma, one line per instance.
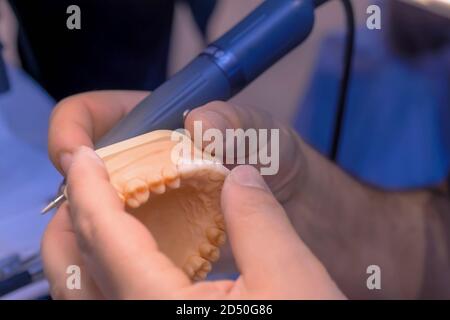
[175, 195]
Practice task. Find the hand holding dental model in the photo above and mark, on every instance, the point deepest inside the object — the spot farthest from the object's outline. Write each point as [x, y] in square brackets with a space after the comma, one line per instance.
[173, 188]
[119, 258]
[105, 229]
[347, 224]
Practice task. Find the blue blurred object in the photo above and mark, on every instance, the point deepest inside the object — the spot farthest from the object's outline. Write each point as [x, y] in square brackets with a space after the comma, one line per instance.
[4, 83]
[224, 68]
[28, 271]
[396, 131]
[27, 176]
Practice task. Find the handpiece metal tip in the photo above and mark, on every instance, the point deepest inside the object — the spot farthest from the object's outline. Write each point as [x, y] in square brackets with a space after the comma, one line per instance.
[49, 207]
[55, 203]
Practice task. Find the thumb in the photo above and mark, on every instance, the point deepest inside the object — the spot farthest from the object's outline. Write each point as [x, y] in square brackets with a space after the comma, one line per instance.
[269, 253]
[259, 230]
[225, 116]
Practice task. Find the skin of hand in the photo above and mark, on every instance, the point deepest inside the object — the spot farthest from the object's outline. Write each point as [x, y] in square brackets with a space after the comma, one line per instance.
[120, 259]
[347, 224]
[406, 234]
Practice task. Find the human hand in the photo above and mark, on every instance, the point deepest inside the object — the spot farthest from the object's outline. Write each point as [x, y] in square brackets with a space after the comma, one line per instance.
[82, 119]
[327, 207]
[119, 259]
[291, 168]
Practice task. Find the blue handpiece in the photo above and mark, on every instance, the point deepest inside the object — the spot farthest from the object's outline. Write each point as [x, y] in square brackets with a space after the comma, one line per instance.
[224, 68]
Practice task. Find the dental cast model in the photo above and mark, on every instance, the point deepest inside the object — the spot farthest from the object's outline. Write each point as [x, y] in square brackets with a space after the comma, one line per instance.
[176, 196]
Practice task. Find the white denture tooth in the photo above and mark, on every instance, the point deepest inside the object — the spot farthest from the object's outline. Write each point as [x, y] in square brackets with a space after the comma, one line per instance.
[133, 203]
[200, 275]
[174, 184]
[169, 172]
[142, 196]
[209, 252]
[215, 236]
[203, 271]
[159, 188]
[135, 185]
[207, 267]
[198, 263]
[171, 177]
[136, 192]
[189, 270]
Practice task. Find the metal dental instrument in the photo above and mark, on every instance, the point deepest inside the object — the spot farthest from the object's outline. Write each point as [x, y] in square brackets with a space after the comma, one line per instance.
[223, 69]
[60, 198]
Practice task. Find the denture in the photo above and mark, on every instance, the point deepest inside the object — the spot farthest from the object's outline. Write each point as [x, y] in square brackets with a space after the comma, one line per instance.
[174, 194]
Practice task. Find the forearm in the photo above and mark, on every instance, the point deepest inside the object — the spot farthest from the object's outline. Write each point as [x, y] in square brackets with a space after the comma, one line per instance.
[351, 226]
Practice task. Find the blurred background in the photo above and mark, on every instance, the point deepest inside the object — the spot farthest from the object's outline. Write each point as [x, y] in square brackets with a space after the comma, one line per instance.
[396, 129]
[284, 84]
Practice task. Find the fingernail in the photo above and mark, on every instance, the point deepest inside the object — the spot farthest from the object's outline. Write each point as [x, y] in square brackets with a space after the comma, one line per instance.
[248, 176]
[185, 114]
[65, 161]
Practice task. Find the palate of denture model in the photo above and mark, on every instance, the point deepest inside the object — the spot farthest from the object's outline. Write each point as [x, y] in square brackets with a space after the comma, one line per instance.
[174, 194]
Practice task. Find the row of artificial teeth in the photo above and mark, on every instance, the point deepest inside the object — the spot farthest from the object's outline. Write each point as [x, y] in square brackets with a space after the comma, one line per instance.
[197, 267]
[137, 191]
[188, 168]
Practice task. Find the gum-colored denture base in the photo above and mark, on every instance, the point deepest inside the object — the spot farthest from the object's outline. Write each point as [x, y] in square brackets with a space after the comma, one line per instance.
[178, 202]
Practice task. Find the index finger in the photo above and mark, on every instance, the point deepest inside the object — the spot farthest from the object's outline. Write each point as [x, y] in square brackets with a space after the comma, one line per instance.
[120, 253]
[82, 119]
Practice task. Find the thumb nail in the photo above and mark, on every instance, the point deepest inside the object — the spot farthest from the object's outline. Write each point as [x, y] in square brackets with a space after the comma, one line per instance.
[248, 176]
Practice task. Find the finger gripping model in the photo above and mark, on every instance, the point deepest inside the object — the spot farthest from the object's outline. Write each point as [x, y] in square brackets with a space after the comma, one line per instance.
[176, 196]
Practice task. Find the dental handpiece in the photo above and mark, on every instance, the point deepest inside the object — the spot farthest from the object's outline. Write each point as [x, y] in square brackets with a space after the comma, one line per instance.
[223, 69]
